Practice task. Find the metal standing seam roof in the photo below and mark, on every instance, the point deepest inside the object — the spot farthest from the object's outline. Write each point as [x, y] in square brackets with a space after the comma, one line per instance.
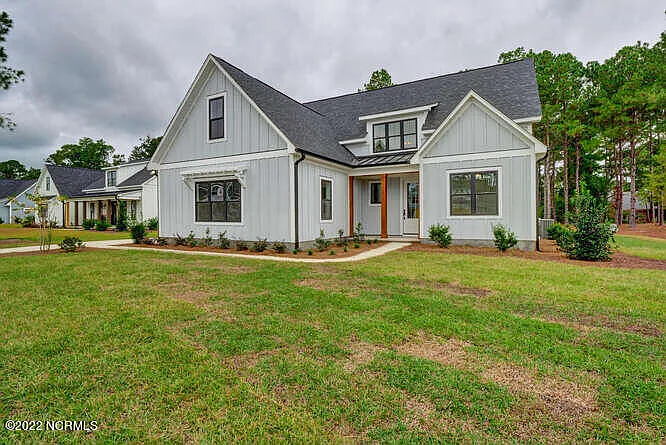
[316, 127]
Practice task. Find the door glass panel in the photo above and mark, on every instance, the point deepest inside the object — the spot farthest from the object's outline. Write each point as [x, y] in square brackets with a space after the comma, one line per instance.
[412, 200]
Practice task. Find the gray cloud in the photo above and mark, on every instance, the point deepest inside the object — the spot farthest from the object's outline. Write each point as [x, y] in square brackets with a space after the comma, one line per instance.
[118, 69]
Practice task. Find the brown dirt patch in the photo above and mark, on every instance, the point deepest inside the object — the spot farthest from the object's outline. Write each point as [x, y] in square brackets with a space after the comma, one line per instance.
[53, 251]
[649, 230]
[339, 251]
[450, 353]
[361, 354]
[620, 260]
[14, 241]
[616, 323]
[332, 280]
[450, 288]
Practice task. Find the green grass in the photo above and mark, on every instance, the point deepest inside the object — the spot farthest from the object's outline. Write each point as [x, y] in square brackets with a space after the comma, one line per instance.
[13, 235]
[642, 246]
[165, 347]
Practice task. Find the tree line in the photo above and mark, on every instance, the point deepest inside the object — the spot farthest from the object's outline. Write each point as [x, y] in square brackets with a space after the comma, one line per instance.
[603, 123]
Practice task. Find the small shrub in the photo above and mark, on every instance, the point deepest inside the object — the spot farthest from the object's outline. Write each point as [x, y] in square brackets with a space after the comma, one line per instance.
[71, 244]
[332, 252]
[190, 240]
[2, 221]
[341, 240]
[222, 241]
[161, 241]
[152, 223]
[121, 225]
[357, 246]
[440, 234]
[375, 241]
[180, 241]
[241, 245]
[310, 252]
[556, 230]
[279, 247]
[346, 249]
[504, 238]
[591, 236]
[260, 245]
[295, 251]
[358, 236]
[88, 224]
[207, 240]
[28, 221]
[322, 243]
[149, 241]
[102, 225]
[138, 232]
[18, 220]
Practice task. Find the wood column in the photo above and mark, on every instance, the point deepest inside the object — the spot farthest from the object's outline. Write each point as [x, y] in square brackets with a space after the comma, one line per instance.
[351, 206]
[76, 213]
[384, 206]
[65, 223]
[99, 210]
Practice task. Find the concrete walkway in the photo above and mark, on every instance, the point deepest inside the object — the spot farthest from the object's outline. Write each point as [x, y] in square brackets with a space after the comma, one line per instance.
[123, 245]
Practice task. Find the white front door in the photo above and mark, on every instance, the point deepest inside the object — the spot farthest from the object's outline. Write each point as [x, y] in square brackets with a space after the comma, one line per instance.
[410, 206]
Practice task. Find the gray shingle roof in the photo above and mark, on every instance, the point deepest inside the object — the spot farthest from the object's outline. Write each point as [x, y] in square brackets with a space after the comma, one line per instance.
[137, 178]
[316, 127]
[510, 87]
[71, 181]
[12, 187]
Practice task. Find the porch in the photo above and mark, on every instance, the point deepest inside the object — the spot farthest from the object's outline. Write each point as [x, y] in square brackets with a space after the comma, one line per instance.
[386, 204]
[99, 207]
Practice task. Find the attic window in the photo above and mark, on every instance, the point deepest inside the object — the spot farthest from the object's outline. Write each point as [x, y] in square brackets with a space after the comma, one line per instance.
[111, 178]
[216, 118]
[396, 135]
[48, 184]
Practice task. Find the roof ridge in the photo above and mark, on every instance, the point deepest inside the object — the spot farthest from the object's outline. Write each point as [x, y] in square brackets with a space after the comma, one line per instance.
[74, 168]
[269, 86]
[415, 81]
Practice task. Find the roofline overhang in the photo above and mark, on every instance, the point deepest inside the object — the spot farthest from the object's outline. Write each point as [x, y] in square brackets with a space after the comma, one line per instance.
[531, 119]
[113, 167]
[401, 112]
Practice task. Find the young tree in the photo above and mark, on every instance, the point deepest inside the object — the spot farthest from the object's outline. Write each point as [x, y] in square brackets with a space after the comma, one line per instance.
[145, 149]
[87, 154]
[378, 79]
[8, 76]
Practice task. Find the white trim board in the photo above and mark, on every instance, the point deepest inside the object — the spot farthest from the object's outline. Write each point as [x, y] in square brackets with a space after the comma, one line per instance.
[479, 156]
[412, 110]
[225, 159]
[210, 97]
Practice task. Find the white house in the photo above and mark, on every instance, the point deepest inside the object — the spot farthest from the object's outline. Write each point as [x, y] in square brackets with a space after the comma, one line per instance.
[75, 194]
[14, 199]
[241, 157]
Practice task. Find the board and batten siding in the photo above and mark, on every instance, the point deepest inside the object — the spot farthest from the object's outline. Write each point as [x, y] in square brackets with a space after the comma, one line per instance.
[246, 131]
[265, 202]
[309, 197]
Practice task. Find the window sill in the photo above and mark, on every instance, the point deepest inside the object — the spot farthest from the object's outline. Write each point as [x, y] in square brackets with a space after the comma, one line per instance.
[325, 221]
[474, 217]
[215, 141]
[218, 223]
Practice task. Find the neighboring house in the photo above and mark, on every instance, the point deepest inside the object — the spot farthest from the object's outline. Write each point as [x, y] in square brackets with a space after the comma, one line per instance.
[75, 194]
[241, 157]
[14, 199]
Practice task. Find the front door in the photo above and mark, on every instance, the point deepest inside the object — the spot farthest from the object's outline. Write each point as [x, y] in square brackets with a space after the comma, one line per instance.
[410, 207]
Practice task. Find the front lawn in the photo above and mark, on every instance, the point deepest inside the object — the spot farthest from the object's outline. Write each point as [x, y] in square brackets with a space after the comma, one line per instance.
[642, 246]
[13, 235]
[411, 346]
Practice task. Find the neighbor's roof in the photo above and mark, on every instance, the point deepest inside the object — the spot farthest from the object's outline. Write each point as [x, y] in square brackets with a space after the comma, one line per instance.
[137, 178]
[317, 127]
[12, 187]
[71, 181]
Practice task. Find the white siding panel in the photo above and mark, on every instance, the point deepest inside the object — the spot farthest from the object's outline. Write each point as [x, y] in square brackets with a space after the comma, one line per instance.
[246, 130]
[265, 203]
[148, 205]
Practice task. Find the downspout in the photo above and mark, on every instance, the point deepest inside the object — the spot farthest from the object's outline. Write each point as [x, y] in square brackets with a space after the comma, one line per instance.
[298, 161]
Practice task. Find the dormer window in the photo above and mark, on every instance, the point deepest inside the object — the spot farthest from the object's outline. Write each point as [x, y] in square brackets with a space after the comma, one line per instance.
[48, 184]
[216, 118]
[111, 178]
[396, 135]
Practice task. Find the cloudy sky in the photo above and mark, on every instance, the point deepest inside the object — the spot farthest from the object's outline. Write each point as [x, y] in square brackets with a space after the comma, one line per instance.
[118, 69]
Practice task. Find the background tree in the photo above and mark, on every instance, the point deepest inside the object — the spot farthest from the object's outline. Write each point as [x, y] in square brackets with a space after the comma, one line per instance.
[145, 148]
[8, 76]
[378, 79]
[13, 169]
[86, 154]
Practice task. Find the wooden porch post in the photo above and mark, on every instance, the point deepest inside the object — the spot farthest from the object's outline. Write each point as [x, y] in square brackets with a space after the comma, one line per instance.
[65, 223]
[351, 206]
[99, 210]
[76, 213]
[85, 214]
[384, 206]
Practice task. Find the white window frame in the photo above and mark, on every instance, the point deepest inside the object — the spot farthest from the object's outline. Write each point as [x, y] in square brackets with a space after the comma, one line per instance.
[500, 209]
[207, 104]
[370, 203]
[329, 179]
[216, 223]
[116, 178]
[47, 184]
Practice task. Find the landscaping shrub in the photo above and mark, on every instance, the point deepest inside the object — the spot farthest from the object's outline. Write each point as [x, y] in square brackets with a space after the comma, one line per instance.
[138, 232]
[71, 244]
[591, 236]
[161, 241]
[102, 225]
[28, 221]
[207, 240]
[295, 251]
[341, 241]
[310, 252]
[440, 234]
[241, 245]
[152, 223]
[180, 241]
[191, 240]
[556, 231]
[260, 245]
[358, 236]
[2, 221]
[322, 243]
[18, 220]
[504, 238]
[332, 252]
[279, 247]
[88, 224]
[121, 225]
[222, 241]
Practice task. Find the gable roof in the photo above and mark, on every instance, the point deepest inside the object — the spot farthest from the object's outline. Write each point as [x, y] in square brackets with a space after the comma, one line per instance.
[13, 187]
[71, 181]
[137, 178]
[307, 129]
[510, 87]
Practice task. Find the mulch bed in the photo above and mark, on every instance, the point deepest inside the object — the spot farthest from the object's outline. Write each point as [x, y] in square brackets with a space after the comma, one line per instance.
[550, 253]
[48, 252]
[649, 230]
[339, 251]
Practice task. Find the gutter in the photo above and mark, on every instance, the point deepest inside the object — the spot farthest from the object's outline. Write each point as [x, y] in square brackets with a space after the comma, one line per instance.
[298, 161]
